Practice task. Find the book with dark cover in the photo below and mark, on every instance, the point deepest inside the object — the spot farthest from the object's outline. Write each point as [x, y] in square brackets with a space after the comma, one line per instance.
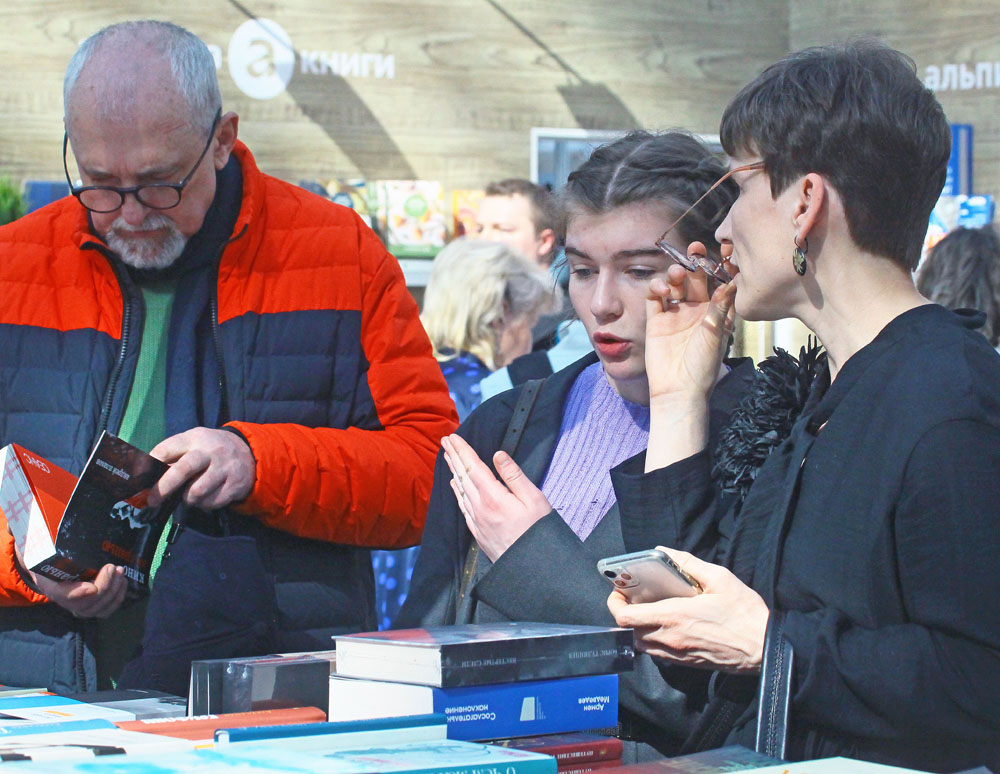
[569, 748]
[477, 712]
[68, 528]
[724, 759]
[480, 654]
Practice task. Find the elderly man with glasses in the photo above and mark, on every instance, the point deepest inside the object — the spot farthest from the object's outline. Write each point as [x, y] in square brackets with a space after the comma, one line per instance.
[258, 339]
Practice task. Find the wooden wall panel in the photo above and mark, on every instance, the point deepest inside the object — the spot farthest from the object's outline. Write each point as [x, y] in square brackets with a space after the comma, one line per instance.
[471, 77]
[933, 34]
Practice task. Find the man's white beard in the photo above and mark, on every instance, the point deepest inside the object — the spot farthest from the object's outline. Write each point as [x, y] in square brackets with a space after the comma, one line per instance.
[144, 253]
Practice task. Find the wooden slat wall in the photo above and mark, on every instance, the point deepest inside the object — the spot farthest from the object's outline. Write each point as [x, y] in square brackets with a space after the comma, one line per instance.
[471, 77]
[933, 34]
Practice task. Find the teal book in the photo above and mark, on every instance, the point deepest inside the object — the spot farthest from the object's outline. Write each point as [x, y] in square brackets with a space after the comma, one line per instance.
[443, 756]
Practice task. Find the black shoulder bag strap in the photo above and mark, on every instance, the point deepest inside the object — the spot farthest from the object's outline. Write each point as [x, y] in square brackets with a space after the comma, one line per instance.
[775, 696]
[515, 429]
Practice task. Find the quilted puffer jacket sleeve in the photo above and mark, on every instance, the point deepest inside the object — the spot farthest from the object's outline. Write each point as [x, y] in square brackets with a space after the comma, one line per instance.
[354, 486]
[13, 590]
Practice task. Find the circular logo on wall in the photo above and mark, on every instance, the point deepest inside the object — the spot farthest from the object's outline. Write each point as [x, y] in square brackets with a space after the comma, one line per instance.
[261, 58]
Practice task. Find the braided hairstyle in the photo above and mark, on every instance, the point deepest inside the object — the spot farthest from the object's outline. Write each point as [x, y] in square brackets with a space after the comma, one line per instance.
[674, 168]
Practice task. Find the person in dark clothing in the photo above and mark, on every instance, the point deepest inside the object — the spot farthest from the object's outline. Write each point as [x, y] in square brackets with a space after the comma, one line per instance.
[539, 542]
[867, 541]
[962, 271]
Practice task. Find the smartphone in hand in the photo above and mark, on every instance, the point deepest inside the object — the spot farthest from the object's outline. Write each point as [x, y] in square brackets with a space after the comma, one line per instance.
[648, 576]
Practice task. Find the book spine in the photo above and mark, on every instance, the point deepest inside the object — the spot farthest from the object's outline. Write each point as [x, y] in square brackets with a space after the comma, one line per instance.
[581, 767]
[529, 708]
[374, 731]
[479, 663]
[572, 750]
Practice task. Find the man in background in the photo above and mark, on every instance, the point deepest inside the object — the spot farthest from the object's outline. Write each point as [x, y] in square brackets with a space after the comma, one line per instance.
[255, 337]
[526, 216]
[521, 215]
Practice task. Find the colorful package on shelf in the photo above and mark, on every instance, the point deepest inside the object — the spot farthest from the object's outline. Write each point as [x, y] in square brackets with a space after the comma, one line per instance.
[412, 212]
[351, 193]
[464, 209]
[950, 212]
[975, 211]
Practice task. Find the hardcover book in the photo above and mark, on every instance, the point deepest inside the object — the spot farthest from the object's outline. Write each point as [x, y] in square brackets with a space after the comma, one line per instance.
[480, 654]
[486, 711]
[569, 748]
[338, 735]
[205, 726]
[582, 767]
[68, 528]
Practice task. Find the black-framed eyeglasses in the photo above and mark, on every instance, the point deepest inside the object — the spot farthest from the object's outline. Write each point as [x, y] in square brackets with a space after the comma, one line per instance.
[709, 265]
[156, 196]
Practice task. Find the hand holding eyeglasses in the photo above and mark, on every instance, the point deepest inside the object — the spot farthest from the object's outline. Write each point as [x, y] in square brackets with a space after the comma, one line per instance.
[687, 333]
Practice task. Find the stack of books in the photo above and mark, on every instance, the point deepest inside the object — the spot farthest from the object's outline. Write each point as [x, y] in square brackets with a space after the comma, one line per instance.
[492, 681]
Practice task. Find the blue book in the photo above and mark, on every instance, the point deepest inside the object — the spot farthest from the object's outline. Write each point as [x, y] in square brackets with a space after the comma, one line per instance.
[48, 728]
[486, 711]
[442, 756]
[337, 735]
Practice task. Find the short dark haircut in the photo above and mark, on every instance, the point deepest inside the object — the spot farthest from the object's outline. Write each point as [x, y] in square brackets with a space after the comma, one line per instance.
[673, 168]
[857, 114]
[544, 212]
[963, 271]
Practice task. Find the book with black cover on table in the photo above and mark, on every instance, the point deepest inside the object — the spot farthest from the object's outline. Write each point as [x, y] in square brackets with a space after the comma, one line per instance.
[479, 654]
[68, 528]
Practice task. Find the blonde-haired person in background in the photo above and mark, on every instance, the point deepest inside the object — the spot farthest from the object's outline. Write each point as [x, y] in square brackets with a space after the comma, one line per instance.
[480, 305]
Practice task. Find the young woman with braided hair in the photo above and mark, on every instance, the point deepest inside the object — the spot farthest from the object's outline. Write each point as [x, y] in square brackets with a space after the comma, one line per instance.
[541, 527]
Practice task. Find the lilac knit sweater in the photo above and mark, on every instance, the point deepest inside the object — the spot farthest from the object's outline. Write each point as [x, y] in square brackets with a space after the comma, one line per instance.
[599, 430]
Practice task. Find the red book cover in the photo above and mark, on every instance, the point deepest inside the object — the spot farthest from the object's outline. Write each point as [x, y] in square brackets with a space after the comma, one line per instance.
[569, 748]
[205, 726]
[582, 767]
[43, 492]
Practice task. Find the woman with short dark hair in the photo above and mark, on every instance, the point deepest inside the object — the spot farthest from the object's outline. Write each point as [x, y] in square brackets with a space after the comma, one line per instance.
[867, 542]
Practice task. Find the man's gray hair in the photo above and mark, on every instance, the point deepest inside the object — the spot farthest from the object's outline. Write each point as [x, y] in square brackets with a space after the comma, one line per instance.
[191, 63]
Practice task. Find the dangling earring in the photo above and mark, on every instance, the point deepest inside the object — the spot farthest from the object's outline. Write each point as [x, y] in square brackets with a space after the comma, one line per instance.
[799, 256]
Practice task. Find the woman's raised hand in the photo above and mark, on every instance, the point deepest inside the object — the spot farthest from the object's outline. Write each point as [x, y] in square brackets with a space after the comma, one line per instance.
[496, 512]
[687, 332]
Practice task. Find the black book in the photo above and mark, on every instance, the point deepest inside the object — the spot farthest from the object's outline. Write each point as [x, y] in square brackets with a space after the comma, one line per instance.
[480, 654]
[67, 528]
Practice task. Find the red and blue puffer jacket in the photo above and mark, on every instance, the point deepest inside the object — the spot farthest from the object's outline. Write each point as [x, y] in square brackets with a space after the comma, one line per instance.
[306, 342]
